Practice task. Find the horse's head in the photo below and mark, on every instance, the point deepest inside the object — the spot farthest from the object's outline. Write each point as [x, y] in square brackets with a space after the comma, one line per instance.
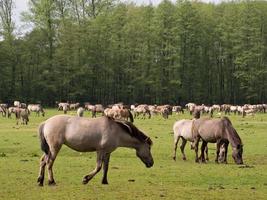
[144, 153]
[237, 154]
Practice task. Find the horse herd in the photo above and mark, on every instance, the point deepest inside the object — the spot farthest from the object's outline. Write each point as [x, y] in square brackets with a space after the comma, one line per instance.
[112, 130]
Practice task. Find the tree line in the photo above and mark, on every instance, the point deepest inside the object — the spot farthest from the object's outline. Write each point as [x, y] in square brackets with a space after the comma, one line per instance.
[106, 51]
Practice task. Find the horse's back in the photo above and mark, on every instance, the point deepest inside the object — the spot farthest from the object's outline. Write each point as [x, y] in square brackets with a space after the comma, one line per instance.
[78, 133]
[183, 128]
[210, 129]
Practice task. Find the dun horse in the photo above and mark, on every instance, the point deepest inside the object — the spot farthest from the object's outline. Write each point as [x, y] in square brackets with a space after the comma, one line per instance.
[102, 135]
[219, 131]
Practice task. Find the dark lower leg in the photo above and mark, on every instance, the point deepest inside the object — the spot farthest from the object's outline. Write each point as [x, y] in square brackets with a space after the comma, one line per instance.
[105, 169]
[182, 148]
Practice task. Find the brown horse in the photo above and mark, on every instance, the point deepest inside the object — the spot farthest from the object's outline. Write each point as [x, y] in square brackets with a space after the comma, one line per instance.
[217, 131]
[102, 135]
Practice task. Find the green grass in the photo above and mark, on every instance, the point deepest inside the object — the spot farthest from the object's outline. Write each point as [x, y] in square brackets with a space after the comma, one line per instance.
[128, 177]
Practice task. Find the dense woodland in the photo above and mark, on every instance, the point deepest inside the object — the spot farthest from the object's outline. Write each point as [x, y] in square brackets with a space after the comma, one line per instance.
[105, 51]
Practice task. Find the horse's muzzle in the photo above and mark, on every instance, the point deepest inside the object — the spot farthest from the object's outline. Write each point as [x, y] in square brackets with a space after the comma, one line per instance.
[150, 164]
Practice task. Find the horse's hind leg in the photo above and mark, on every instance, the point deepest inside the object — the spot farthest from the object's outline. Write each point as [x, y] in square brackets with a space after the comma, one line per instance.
[50, 161]
[98, 167]
[105, 168]
[176, 140]
[182, 147]
[40, 179]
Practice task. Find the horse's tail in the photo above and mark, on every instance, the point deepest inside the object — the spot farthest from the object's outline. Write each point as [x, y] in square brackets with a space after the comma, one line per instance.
[44, 145]
[131, 116]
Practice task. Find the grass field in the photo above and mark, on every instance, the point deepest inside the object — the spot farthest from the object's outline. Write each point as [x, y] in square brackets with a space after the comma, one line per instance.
[128, 177]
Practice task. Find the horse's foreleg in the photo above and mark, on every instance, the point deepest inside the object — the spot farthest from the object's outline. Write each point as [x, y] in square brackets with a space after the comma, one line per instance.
[105, 168]
[207, 151]
[176, 140]
[182, 147]
[203, 147]
[98, 167]
[226, 150]
[196, 141]
[40, 179]
[218, 145]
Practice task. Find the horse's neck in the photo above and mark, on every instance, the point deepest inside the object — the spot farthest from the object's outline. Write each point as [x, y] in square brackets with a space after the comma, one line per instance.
[233, 137]
[126, 140]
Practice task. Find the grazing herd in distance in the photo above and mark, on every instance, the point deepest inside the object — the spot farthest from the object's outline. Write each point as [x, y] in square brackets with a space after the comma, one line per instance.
[129, 112]
[208, 130]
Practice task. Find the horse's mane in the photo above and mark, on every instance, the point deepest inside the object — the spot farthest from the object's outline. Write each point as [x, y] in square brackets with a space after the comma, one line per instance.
[133, 131]
[233, 133]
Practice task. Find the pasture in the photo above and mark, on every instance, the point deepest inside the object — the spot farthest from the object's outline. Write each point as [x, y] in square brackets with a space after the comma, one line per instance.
[128, 177]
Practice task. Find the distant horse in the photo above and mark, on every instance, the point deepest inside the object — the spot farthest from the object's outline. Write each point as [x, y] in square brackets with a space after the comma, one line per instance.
[119, 113]
[23, 115]
[142, 109]
[80, 112]
[3, 111]
[178, 109]
[16, 103]
[74, 106]
[11, 110]
[65, 108]
[63, 104]
[103, 135]
[98, 108]
[217, 131]
[37, 108]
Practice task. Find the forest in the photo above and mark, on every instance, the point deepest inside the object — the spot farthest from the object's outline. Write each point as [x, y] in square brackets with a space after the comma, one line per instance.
[107, 51]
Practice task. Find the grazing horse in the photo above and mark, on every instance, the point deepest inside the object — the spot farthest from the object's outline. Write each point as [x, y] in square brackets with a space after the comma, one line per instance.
[74, 106]
[10, 111]
[98, 108]
[142, 109]
[37, 108]
[119, 113]
[183, 129]
[62, 104]
[23, 115]
[217, 131]
[102, 135]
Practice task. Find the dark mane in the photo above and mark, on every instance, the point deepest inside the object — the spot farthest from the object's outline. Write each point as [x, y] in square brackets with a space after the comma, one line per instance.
[133, 131]
[233, 135]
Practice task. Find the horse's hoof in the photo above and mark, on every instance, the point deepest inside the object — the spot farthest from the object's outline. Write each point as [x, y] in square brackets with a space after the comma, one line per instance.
[105, 182]
[40, 180]
[184, 158]
[85, 180]
[51, 183]
[174, 158]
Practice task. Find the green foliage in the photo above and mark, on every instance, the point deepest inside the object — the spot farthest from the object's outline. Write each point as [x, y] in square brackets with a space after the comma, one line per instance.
[106, 51]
